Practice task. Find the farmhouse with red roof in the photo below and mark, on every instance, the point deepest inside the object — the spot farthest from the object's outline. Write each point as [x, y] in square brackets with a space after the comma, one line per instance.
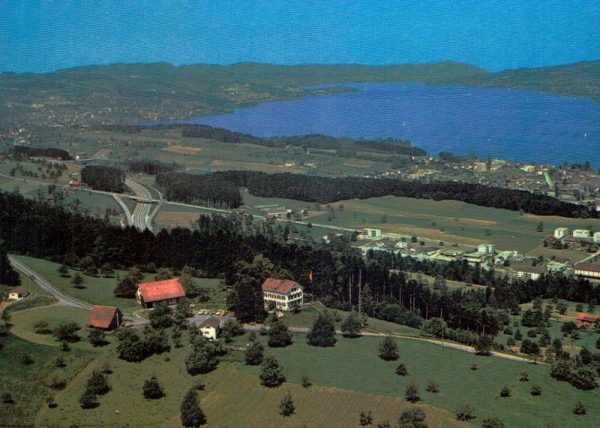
[169, 291]
[105, 317]
[284, 294]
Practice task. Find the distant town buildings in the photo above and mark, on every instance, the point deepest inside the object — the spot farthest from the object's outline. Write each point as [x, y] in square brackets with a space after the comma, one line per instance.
[561, 232]
[371, 233]
[582, 233]
[486, 248]
[587, 270]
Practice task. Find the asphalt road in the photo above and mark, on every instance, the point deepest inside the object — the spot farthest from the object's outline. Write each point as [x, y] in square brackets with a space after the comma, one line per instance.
[63, 300]
[141, 213]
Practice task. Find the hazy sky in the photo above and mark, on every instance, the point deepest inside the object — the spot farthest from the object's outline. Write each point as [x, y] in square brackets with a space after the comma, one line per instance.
[42, 36]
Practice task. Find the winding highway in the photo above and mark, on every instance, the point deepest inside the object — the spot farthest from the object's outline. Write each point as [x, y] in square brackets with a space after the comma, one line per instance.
[141, 216]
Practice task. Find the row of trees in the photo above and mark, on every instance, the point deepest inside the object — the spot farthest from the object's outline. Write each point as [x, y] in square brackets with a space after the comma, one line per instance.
[151, 167]
[24, 152]
[325, 190]
[344, 146]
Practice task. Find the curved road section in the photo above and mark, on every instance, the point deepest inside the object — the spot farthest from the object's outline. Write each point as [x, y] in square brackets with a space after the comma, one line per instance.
[63, 300]
[141, 214]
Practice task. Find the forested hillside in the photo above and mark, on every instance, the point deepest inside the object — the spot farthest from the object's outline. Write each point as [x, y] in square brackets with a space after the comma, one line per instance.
[326, 190]
[127, 93]
[237, 248]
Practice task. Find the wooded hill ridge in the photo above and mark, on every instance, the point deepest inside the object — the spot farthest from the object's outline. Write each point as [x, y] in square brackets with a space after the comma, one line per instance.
[127, 93]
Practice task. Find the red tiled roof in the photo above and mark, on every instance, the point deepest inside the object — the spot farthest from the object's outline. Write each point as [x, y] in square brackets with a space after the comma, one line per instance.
[211, 322]
[161, 290]
[282, 286]
[587, 317]
[101, 316]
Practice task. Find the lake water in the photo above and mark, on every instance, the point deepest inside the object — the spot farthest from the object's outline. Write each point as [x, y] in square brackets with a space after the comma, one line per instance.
[507, 124]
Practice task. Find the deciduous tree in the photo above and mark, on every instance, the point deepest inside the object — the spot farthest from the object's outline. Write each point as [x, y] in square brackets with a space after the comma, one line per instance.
[388, 349]
[271, 373]
[190, 412]
[322, 333]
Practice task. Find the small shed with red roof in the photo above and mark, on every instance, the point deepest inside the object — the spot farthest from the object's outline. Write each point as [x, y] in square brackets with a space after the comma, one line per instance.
[282, 294]
[586, 320]
[105, 317]
[169, 291]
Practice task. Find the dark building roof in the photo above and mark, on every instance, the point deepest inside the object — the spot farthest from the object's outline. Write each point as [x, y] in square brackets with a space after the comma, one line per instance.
[211, 322]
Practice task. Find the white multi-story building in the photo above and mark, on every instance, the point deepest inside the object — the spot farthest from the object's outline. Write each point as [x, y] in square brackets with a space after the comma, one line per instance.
[597, 237]
[561, 232]
[372, 233]
[486, 248]
[582, 233]
[284, 294]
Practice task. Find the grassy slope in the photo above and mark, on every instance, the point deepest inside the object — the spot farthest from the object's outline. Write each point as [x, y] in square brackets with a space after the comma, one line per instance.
[26, 382]
[342, 388]
[461, 222]
[24, 325]
[98, 291]
[341, 367]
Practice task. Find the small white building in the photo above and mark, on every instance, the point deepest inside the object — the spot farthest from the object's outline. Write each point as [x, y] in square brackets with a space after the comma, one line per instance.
[372, 233]
[18, 293]
[210, 328]
[597, 237]
[561, 232]
[284, 294]
[582, 233]
[486, 248]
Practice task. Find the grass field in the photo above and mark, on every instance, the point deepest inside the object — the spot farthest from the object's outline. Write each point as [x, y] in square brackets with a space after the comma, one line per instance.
[177, 215]
[232, 399]
[27, 383]
[346, 379]
[449, 221]
[97, 291]
[340, 367]
[23, 326]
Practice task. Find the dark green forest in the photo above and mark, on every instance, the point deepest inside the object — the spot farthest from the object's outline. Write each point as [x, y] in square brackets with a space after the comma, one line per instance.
[326, 190]
[228, 246]
[105, 178]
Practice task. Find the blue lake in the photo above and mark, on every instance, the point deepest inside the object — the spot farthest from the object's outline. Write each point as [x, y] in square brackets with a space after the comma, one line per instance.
[507, 124]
